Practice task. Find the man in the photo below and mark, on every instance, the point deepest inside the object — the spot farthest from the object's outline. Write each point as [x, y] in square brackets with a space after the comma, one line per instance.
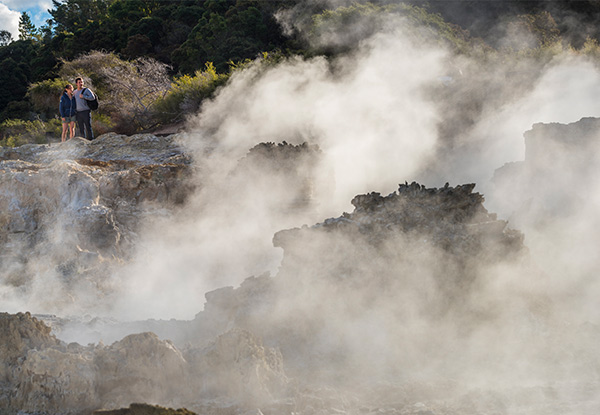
[84, 114]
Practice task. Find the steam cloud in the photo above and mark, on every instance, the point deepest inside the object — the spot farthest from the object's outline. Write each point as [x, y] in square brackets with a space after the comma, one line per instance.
[375, 113]
[376, 119]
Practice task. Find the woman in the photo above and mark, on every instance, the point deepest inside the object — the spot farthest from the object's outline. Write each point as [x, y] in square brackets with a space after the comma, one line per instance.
[68, 112]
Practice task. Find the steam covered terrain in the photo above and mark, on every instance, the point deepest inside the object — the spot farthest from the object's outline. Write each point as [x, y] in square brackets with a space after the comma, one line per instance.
[318, 241]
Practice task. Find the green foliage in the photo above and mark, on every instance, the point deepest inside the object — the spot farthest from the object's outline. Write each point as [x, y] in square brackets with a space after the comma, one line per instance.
[202, 39]
[72, 15]
[27, 30]
[229, 31]
[45, 96]
[21, 62]
[335, 30]
[542, 26]
[13, 78]
[102, 123]
[187, 93]
[16, 109]
[5, 37]
[437, 28]
[591, 48]
[18, 132]
[342, 29]
[127, 90]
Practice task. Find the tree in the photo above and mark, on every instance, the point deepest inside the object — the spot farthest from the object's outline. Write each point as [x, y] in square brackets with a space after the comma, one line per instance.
[71, 15]
[27, 29]
[5, 37]
[13, 81]
[229, 31]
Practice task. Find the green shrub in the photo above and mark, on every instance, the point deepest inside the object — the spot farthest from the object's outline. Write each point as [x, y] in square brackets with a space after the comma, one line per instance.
[16, 132]
[187, 93]
[45, 95]
[591, 48]
[102, 124]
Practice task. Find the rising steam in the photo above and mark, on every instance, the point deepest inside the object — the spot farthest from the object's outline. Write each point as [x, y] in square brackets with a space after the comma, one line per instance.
[390, 111]
[374, 116]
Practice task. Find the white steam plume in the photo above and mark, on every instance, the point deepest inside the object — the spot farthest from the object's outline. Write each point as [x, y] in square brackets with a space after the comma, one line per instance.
[368, 114]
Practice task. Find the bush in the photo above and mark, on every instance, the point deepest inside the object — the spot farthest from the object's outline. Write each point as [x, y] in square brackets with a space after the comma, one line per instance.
[45, 96]
[16, 132]
[591, 49]
[102, 124]
[187, 93]
[16, 109]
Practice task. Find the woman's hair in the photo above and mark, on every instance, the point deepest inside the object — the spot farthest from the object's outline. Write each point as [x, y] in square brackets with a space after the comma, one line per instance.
[68, 85]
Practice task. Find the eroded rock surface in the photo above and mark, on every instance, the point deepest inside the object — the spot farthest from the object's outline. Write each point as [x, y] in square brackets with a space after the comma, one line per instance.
[42, 375]
[71, 211]
[410, 304]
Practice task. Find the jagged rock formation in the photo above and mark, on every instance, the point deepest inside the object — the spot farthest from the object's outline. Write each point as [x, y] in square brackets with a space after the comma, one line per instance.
[43, 375]
[387, 309]
[417, 251]
[73, 209]
[355, 271]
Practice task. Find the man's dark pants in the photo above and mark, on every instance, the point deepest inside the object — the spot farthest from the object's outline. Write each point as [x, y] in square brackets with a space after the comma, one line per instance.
[84, 122]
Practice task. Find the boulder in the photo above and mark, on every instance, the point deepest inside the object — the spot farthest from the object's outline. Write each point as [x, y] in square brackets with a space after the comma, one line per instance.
[140, 368]
[237, 365]
[21, 333]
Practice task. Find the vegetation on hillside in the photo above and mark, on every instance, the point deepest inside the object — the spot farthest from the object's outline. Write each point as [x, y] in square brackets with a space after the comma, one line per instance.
[153, 62]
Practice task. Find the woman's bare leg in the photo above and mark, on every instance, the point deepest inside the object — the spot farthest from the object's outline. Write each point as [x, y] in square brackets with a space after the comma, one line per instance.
[64, 131]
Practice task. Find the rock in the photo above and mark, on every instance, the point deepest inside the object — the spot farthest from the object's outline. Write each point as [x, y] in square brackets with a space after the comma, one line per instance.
[559, 158]
[450, 219]
[139, 368]
[42, 375]
[58, 381]
[238, 366]
[79, 204]
[21, 333]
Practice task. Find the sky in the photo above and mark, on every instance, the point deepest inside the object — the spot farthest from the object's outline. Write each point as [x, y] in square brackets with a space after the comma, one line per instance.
[10, 12]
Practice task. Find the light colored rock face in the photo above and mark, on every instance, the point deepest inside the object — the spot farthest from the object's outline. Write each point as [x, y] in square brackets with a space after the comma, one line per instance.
[414, 303]
[140, 368]
[20, 333]
[71, 211]
[41, 375]
[241, 368]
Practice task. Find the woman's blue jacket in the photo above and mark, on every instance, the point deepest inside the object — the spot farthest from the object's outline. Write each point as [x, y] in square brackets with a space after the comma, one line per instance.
[67, 107]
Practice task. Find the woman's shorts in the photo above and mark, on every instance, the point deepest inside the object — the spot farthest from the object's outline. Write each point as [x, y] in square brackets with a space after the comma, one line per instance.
[67, 120]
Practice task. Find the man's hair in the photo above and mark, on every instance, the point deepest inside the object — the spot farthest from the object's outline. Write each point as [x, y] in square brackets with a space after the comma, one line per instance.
[78, 79]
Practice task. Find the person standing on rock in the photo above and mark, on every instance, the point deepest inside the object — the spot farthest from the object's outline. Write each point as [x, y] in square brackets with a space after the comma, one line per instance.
[84, 114]
[68, 112]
